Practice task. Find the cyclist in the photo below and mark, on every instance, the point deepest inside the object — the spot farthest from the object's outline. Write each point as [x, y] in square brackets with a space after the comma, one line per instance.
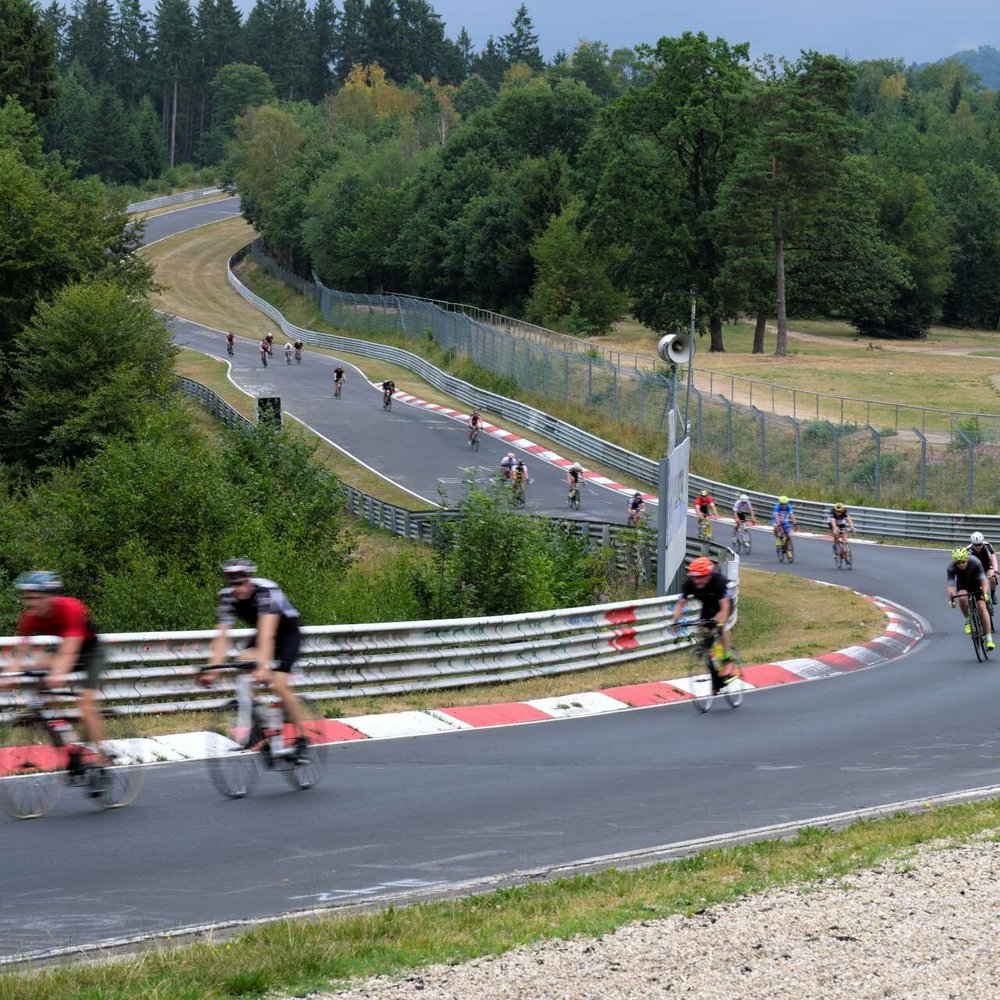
[230, 341]
[634, 509]
[261, 604]
[742, 512]
[706, 585]
[388, 391]
[984, 552]
[288, 353]
[966, 573]
[519, 479]
[47, 612]
[839, 519]
[507, 464]
[574, 477]
[704, 506]
[269, 340]
[475, 424]
[783, 519]
[338, 380]
[263, 352]
[298, 352]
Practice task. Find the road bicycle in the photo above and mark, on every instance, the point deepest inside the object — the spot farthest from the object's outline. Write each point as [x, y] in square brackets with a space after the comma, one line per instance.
[40, 753]
[387, 401]
[741, 540]
[704, 527]
[288, 358]
[298, 355]
[709, 676]
[338, 385]
[474, 439]
[517, 485]
[573, 497]
[976, 622]
[842, 552]
[248, 735]
[784, 546]
[633, 518]
[229, 348]
[263, 357]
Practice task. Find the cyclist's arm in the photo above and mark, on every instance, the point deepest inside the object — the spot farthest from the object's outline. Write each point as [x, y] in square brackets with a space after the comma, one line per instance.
[679, 608]
[725, 606]
[712, 509]
[993, 561]
[217, 647]
[850, 523]
[66, 656]
[267, 628]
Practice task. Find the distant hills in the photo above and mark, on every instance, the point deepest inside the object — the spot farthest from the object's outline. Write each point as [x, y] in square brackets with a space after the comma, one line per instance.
[985, 61]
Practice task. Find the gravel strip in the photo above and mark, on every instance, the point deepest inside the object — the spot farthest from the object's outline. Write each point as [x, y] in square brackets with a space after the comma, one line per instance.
[921, 928]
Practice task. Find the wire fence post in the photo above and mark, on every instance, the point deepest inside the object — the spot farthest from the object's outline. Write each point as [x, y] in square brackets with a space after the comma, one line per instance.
[729, 425]
[878, 461]
[763, 439]
[545, 371]
[798, 446]
[698, 438]
[971, 445]
[614, 393]
[642, 397]
[566, 379]
[923, 463]
[590, 379]
[836, 453]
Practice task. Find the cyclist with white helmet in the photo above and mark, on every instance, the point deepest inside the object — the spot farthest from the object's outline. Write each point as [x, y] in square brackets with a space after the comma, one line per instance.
[983, 551]
[742, 512]
[574, 479]
[507, 464]
[967, 579]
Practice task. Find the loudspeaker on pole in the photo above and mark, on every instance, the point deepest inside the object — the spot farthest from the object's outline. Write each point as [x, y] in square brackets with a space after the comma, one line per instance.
[675, 348]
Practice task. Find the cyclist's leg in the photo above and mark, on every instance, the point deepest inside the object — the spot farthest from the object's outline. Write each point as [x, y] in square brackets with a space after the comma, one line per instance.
[93, 665]
[984, 616]
[286, 652]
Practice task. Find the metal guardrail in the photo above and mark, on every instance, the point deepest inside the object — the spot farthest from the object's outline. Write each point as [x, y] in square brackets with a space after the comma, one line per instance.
[152, 673]
[873, 521]
[171, 199]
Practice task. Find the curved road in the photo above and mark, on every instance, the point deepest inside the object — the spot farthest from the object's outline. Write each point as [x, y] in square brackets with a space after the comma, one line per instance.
[457, 806]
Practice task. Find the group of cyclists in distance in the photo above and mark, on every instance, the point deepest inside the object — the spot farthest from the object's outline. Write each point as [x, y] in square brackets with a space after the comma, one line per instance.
[265, 349]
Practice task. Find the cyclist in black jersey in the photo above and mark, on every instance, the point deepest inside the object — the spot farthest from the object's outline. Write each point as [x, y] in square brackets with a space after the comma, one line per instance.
[967, 579]
[984, 552]
[261, 604]
[475, 424]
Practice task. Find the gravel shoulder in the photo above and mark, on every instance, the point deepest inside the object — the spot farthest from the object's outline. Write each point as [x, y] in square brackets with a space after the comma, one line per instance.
[920, 926]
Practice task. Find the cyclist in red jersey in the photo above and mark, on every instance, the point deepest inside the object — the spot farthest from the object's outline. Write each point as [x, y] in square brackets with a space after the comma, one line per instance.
[46, 612]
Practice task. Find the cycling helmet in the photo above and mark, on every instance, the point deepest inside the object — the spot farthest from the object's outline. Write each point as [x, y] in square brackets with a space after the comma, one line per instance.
[236, 568]
[576, 467]
[744, 498]
[637, 494]
[704, 493]
[701, 567]
[782, 499]
[40, 580]
[839, 508]
[976, 538]
[960, 554]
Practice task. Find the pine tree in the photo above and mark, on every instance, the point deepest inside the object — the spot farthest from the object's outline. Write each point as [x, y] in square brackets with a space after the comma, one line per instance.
[381, 43]
[227, 34]
[91, 38]
[27, 57]
[109, 151]
[133, 52]
[521, 44]
[277, 36]
[490, 64]
[350, 38]
[58, 21]
[466, 52]
[174, 36]
[323, 50]
[150, 149]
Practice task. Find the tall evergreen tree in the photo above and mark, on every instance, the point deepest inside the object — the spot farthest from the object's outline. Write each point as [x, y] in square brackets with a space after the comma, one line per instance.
[150, 149]
[58, 21]
[133, 52]
[109, 151]
[277, 36]
[91, 38]
[27, 57]
[466, 53]
[491, 63]
[323, 49]
[350, 38]
[174, 35]
[520, 44]
[381, 41]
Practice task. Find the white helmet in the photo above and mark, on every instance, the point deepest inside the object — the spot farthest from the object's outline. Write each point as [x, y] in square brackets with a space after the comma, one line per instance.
[744, 498]
[577, 467]
[976, 538]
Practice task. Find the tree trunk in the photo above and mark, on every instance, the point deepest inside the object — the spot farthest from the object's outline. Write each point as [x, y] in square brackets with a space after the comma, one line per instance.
[781, 347]
[715, 328]
[758, 333]
[165, 117]
[173, 125]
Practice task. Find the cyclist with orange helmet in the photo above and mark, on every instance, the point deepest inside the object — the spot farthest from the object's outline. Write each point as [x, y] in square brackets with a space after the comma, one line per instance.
[704, 583]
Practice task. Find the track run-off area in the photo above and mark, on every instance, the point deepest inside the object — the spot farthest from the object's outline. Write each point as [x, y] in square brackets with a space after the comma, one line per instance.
[423, 813]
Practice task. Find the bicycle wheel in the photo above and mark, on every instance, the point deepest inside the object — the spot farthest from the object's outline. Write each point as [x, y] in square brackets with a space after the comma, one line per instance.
[838, 558]
[120, 783]
[747, 546]
[700, 681]
[848, 556]
[307, 773]
[733, 691]
[233, 750]
[790, 549]
[780, 549]
[32, 770]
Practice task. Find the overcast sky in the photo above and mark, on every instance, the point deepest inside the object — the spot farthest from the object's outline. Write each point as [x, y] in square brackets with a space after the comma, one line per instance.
[916, 30]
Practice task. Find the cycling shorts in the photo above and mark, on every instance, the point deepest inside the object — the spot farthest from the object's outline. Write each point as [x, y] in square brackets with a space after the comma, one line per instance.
[92, 663]
[743, 515]
[286, 649]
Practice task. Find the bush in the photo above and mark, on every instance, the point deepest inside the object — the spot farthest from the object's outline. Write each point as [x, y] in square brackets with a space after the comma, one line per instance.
[862, 474]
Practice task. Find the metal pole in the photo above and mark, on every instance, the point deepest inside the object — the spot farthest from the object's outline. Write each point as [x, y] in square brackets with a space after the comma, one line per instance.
[699, 418]
[690, 371]
[614, 393]
[923, 463]
[590, 378]
[642, 396]
[798, 450]
[763, 442]
[836, 453]
[878, 461]
[729, 426]
[566, 378]
[971, 445]
[663, 489]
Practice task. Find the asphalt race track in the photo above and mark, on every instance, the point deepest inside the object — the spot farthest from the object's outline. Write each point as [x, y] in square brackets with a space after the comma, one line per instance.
[437, 809]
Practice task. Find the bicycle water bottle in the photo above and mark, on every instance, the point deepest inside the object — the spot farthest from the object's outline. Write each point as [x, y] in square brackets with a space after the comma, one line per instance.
[276, 722]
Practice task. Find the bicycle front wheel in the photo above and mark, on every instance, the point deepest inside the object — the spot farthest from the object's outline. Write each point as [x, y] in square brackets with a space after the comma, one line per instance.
[307, 770]
[700, 682]
[32, 770]
[746, 541]
[232, 750]
[733, 680]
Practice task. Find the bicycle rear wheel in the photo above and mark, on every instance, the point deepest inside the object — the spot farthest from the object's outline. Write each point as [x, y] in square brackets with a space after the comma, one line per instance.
[789, 549]
[780, 549]
[747, 545]
[309, 772]
[700, 681]
[32, 770]
[120, 783]
[233, 750]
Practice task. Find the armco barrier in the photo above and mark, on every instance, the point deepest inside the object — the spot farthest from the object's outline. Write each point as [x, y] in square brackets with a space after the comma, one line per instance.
[171, 199]
[872, 521]
[152, 673]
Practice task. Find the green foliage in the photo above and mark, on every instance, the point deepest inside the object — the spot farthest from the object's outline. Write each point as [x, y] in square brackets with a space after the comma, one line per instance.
[495, 561]
[27, 57]
[91, 359]
[234, 88]
[862, 473]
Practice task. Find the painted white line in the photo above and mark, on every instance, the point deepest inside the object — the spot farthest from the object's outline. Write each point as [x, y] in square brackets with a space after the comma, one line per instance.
[571, 706]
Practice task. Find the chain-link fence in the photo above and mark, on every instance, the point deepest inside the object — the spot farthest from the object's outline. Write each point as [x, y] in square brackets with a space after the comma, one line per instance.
[885, 454]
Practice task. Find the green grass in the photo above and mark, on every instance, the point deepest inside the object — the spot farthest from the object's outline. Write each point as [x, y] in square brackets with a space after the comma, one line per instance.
[305, 956]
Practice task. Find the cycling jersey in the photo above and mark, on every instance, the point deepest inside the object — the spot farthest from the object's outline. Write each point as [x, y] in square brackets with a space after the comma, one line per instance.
[838, 519]
[230, 338]
[298, 345]
[267, 599]
[783, 511]
[701, 501]
[711, 595]
[507, 463]
[743, 510]
[69, 618]
[520, 472]
[970, 579]
[635, 503]
[475, 419]
[574, 475]
[338, 374]
[984, 555]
